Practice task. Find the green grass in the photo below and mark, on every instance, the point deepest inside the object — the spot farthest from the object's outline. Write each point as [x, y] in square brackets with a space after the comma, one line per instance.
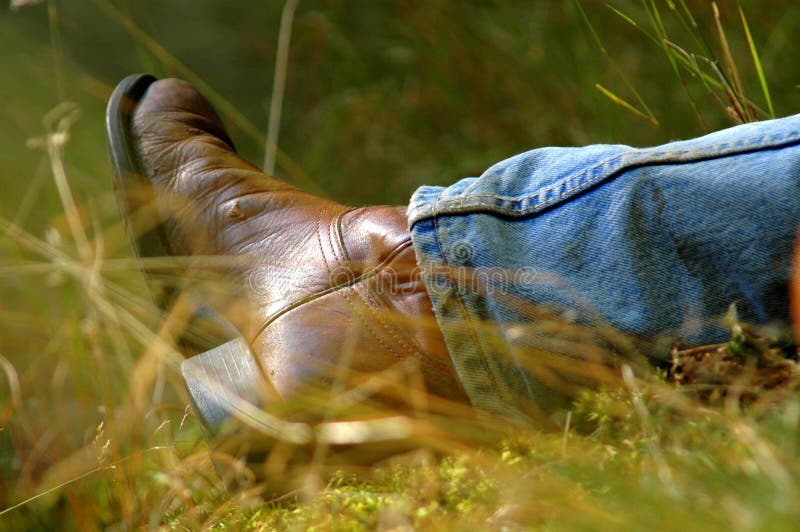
[380, 97]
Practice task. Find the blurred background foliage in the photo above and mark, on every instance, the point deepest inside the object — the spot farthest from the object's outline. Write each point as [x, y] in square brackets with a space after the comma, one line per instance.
[381, 96]
[384, 96]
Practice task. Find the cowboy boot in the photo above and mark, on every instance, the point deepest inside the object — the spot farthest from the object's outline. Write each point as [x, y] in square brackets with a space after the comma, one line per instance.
[328, 296]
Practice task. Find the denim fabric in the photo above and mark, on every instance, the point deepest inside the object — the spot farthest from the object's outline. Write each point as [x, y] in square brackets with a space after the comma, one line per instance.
[655, 243]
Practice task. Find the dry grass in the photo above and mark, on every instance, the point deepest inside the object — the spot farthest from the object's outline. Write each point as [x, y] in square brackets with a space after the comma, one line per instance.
[94, 427]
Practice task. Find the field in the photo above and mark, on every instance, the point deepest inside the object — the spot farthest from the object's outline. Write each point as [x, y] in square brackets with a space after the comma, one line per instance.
[380, 97]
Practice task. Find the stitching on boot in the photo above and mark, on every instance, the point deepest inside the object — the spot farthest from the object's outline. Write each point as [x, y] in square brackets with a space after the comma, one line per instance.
[374, 306]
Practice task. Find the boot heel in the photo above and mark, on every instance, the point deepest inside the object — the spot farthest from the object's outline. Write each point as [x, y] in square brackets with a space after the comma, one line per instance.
[223, 383]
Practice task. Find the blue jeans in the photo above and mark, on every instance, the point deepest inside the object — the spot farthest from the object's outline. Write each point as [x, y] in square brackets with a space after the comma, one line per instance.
[561, 253]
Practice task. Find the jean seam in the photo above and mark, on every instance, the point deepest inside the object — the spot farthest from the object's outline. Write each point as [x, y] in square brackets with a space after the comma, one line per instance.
[466, 317]
[614, 166]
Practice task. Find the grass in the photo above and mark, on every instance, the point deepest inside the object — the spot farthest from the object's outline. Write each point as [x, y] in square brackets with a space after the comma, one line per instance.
[94, 429]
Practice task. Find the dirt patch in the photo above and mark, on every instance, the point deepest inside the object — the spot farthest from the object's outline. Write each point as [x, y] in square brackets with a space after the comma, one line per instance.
[750, 367]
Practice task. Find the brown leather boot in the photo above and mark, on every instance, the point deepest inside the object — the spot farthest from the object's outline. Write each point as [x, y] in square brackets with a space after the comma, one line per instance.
[332, 292]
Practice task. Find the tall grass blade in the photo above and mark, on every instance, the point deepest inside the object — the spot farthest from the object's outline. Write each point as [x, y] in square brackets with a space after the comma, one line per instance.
[633, 23]
[57, 487]
[736, 89]
[690, 25]
[661, 32]
[689, 61]
[688, 14]
[619, 101]
[761, 78]
[104, 467]
[650, 117]
[590, 26]
[278, 84]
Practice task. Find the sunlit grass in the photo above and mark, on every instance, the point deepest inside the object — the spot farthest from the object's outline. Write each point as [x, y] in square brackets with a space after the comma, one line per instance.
[94, 426]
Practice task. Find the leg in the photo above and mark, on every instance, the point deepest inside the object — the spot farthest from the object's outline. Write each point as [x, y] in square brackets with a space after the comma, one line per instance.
[656, 243]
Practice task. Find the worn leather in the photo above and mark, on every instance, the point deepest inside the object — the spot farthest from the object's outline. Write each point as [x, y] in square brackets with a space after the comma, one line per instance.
[330, 292]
